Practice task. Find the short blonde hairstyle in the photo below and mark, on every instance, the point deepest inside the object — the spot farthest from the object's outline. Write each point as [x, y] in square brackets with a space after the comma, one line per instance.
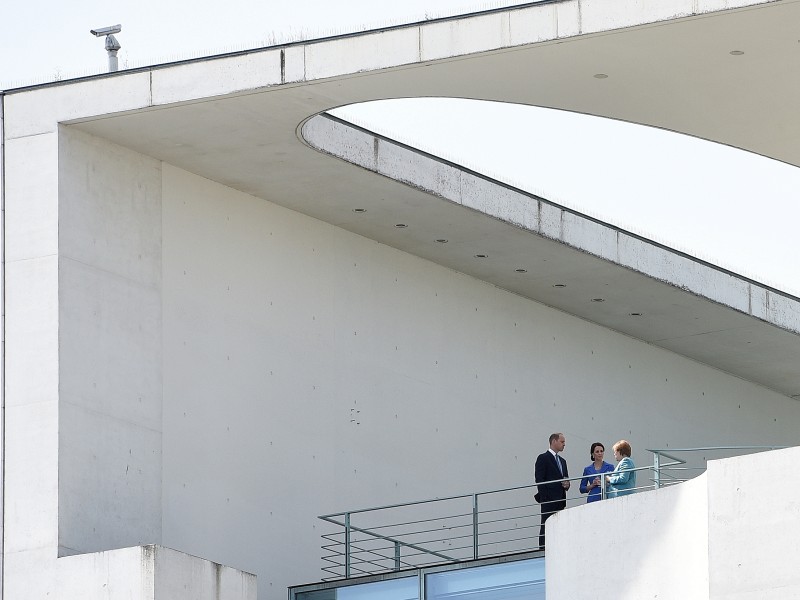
[623, 447]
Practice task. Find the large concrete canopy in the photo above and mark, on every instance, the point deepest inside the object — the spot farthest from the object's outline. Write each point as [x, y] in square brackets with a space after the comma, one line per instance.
[236, 119]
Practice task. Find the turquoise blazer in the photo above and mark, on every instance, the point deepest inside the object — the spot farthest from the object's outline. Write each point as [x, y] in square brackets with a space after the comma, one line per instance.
[623, 479]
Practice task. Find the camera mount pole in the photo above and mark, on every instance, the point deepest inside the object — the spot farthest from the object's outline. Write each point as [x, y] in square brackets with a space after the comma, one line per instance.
[112, 45]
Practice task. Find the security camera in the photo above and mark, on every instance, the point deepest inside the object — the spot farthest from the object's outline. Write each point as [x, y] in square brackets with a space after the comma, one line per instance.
[106, 30]
[112, 45]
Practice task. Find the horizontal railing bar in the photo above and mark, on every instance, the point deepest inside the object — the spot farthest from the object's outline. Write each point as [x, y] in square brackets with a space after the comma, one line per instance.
[329, 517]
[359, 571]
[505, 508]
[686, 469]
[662, 451]
[500, 517]
[363, 561]
[521, 530]
[519, 539]
[426, 540]
[358, 560]
[455, 560]
[401, 536]
[382, 561]
[332, 542]
[332, 572]
[496, 531]
[365, 550]
[500, 520]
[403, 523]
[439, 539]
[407, 544]
[465, 535]
[400, 505]
[398, 537]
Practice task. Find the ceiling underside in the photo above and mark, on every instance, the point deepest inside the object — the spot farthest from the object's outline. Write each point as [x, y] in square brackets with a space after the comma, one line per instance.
[677, 74]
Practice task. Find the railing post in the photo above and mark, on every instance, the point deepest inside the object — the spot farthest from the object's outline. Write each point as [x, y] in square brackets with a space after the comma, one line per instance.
[657, 469]
[397, 556]
[602, 486]
[347, 545]
[475, 526]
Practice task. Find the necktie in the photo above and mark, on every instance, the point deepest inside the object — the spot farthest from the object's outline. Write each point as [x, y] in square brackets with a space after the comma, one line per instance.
[560, 468]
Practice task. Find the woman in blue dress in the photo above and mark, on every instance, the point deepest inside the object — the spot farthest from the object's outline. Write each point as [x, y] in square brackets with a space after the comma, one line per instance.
[590, 484]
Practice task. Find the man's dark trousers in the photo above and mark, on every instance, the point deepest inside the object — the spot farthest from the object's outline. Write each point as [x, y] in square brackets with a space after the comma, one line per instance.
[552, 496]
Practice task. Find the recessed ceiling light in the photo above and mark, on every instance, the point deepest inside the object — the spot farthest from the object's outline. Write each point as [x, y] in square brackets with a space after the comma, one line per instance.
[559, 285]
[481, 256]
[598, 299]
[600, 76]
[521, 270]
[737, 52]
[441, 241]
[401, 225]
[359, 210]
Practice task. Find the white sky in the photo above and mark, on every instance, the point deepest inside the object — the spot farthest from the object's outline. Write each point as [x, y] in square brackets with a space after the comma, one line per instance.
[43, 39]
[733, 209]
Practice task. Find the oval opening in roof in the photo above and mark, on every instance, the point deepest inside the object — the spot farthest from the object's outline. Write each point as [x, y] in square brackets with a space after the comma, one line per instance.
[732, 208]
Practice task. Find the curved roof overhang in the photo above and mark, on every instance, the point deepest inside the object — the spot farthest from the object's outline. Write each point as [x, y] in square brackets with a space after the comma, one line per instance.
[567, 260]
[235, 119]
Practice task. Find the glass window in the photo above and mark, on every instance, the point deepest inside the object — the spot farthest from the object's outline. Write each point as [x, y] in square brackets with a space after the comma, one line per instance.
[406, 588]
[507, 581]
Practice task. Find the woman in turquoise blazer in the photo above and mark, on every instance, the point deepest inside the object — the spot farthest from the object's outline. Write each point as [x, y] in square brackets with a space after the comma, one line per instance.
[622, 480]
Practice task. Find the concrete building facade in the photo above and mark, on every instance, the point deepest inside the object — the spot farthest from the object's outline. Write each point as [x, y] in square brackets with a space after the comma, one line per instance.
[206, 346]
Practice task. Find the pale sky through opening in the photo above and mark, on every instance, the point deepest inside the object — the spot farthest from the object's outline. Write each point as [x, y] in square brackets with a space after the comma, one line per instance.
[731, 208]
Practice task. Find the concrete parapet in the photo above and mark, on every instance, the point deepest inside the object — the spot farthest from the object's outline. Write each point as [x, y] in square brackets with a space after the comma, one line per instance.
[730, 533]
[150, 573]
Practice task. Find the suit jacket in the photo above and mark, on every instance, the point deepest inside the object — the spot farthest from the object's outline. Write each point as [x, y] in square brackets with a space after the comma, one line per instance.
[553, 494]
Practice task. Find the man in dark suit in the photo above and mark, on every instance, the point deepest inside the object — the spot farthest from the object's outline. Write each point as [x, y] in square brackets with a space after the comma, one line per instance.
[550, 466]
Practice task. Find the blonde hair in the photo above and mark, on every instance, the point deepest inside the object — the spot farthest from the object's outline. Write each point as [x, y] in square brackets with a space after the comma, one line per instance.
[623, 447]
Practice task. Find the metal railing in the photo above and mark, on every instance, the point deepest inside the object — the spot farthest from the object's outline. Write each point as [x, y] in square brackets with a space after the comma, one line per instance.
[681, 470]
[478, 525]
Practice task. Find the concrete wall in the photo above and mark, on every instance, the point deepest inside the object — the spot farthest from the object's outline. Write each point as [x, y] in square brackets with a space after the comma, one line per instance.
[31, 363]
[150, 573]
[754, 532]
[109, 440]
[297, 372]
[648, 545]
[304, 370]
[300, 369]
[732, 533]
[309, 370]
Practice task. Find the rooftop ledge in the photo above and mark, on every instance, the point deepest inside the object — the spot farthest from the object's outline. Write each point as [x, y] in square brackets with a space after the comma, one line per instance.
[150, 573]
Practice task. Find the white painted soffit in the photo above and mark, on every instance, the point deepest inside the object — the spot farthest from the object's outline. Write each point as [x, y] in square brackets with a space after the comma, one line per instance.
[234, 119]
[542, 251]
